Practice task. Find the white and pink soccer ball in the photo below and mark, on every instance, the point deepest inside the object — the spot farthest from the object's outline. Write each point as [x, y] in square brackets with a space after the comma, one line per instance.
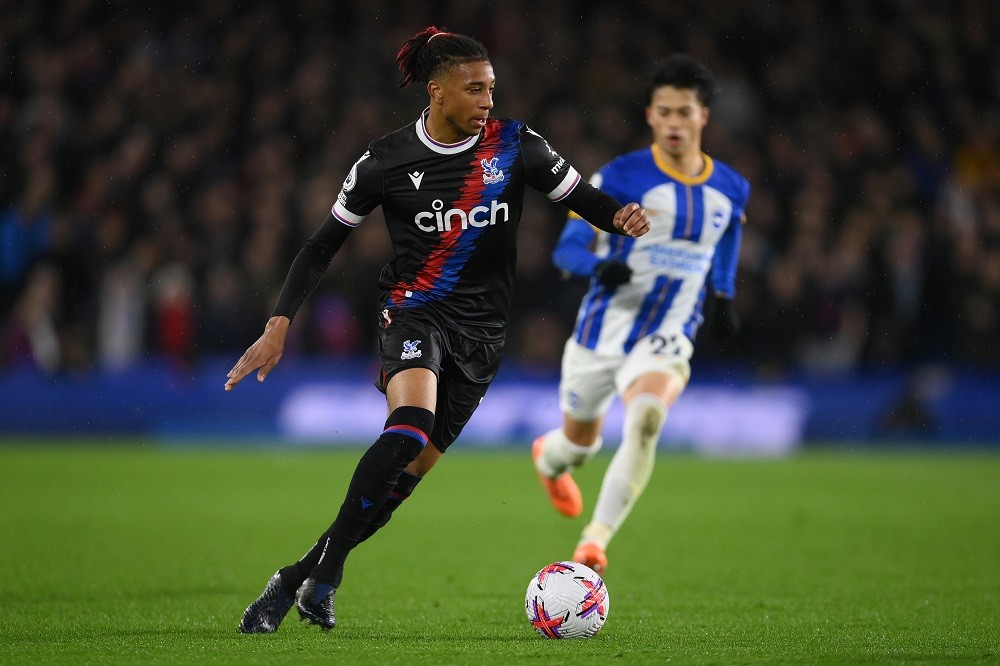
[567, 600]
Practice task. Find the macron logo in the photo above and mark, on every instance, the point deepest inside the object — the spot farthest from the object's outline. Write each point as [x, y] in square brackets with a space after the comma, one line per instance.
[416, 177]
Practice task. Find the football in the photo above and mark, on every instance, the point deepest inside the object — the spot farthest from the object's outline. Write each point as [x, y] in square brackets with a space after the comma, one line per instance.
[567, 600]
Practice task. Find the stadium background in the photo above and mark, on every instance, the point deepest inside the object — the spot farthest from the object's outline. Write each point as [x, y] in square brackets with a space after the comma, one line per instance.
[161, 167]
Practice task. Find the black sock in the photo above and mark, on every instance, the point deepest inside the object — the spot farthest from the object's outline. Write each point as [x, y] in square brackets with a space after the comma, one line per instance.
[295, 574]
[377, 473]
[404, 488]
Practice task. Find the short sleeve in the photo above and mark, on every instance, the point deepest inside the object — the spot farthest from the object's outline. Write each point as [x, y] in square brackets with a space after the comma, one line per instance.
[546, 170]
[361, 192]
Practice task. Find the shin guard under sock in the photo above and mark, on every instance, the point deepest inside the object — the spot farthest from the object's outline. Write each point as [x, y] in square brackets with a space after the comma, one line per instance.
[377, 473]
[631, 466]
[404, 488]
[293, 575]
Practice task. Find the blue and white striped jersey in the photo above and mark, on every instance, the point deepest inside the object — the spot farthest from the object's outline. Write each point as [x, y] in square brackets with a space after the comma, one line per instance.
[696, 226]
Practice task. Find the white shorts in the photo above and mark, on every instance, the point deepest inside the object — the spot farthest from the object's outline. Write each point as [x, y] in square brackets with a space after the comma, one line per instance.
[590, 381]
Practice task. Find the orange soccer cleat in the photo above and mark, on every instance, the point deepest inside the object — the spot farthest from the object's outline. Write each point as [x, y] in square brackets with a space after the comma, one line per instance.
[563, 491]
[591, 554]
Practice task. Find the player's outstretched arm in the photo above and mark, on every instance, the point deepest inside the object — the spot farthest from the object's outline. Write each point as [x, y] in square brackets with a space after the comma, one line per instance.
[307, 269]
[263, 354]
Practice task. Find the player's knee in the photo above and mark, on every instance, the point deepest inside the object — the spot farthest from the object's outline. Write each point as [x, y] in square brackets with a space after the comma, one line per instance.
[648, 412]
[407, 432]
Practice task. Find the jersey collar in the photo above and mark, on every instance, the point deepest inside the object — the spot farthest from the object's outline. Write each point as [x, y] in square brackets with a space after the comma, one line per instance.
[436, 146]
[661, 163]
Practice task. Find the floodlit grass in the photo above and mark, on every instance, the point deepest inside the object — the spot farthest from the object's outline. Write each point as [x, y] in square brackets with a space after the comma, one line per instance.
[140, 554]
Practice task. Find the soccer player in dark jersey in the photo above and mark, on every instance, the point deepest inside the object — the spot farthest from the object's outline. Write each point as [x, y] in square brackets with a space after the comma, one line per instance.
[451, 186]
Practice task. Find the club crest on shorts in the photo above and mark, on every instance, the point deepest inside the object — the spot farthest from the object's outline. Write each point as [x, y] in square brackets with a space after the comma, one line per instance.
[491, 173]
[410, 350]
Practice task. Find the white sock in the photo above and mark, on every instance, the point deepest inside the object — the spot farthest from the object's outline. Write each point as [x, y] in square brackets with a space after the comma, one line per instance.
[598, 533]
[630, 468]
[560, 455]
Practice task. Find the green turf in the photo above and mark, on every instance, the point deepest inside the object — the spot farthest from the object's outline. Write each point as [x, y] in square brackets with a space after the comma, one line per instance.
[119, 554]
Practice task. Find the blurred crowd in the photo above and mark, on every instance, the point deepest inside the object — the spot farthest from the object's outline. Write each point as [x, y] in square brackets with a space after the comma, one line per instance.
[161, 168]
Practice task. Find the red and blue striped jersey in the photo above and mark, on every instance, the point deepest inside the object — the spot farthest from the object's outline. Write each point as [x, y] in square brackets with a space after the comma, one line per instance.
[452, 212]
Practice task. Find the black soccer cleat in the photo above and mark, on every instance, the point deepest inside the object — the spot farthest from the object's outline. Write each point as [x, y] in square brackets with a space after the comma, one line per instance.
[315, 603]
[265, 614]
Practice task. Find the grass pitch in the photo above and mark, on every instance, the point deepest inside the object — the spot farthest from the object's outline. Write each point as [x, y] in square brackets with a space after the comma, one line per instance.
[138, 554]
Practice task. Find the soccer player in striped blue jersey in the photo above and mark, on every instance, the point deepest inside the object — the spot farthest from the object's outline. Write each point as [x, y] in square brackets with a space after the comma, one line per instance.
[636, 325]
[451, 186]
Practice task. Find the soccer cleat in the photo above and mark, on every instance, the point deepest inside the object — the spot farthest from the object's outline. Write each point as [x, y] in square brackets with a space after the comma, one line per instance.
[591, 554]
[315, 603]
[265, 614]
[562, 490]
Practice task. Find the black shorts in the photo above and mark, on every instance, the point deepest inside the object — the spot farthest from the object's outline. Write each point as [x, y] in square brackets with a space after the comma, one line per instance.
[415, 338]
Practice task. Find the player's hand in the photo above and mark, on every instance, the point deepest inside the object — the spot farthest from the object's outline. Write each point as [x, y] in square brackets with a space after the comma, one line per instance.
[263, 354]
[632, 220]
[612, 273]
[725, 321]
